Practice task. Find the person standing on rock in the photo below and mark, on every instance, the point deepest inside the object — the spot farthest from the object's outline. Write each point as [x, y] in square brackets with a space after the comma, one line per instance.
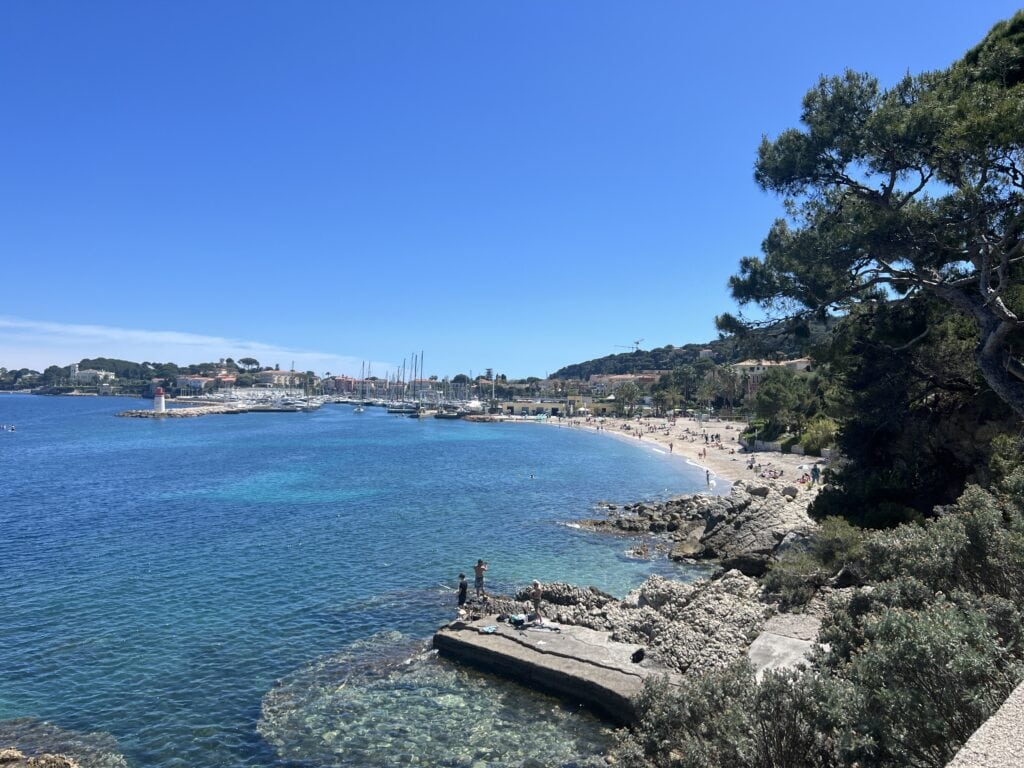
[535, 596]
[478, 572]
[463, 588]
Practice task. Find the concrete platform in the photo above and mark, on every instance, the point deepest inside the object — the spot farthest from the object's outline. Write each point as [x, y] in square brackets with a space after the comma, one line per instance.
[785, 642]
[999, 742]
[574, 662]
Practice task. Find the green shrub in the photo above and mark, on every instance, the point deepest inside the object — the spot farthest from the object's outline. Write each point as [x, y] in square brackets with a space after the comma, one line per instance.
[925, 678]
[977, 547]
[793, 579]
[819, 433]
[1007, 456]
[837, 543]
[725, 719]
[910, 667]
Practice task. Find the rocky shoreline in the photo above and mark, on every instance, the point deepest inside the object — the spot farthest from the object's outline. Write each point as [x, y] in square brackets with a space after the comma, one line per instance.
[743, 530]
[685, 628]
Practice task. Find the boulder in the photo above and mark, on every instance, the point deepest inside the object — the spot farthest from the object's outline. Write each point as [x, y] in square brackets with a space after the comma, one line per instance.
[747, 563]
[689, 628]
[743, 529]
[687, 540]
[748, 534]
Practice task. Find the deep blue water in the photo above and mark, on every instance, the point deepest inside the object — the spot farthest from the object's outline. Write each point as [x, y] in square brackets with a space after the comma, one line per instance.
[158, 579]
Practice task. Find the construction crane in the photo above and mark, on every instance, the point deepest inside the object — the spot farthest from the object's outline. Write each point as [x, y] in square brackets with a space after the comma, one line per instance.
[635, 346]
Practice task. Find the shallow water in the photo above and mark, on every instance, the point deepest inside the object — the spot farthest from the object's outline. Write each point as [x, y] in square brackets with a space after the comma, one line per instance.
[165, 582]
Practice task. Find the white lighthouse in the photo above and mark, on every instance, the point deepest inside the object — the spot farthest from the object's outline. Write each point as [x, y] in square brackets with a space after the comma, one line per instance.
[158, 400]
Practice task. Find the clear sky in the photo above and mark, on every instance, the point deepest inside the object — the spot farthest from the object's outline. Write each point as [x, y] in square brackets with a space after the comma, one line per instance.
[515, 185]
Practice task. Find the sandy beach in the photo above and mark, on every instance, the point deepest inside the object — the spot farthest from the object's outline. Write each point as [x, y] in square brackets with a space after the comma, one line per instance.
[723, 457]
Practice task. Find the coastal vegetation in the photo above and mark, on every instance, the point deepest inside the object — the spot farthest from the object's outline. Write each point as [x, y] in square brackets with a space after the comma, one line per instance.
[917, 656]
[905, 224]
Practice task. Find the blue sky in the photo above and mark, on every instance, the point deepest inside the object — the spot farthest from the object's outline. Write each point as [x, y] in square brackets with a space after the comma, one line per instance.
[509, 185]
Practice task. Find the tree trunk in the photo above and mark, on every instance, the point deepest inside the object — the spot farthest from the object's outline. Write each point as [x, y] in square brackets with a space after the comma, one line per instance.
[992, 355]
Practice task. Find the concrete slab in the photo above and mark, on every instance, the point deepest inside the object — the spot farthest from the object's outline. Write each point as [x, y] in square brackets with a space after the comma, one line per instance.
[574, 662]
[786, 641]
[771, 651]
[999, 742]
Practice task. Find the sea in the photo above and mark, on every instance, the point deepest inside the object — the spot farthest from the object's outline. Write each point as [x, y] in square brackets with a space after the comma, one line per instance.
[260, 589]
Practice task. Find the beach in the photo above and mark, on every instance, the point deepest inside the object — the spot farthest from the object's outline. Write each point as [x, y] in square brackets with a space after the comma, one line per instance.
[724, 458]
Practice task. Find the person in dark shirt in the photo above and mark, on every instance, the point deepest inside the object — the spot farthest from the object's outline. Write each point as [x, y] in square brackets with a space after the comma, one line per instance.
[463, 587]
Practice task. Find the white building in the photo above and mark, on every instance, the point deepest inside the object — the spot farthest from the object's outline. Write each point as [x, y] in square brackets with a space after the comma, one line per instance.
[90, 376]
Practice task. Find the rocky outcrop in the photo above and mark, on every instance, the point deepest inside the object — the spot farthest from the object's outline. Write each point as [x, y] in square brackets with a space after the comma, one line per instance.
[693, 627]
[682, 627]
[742, 530]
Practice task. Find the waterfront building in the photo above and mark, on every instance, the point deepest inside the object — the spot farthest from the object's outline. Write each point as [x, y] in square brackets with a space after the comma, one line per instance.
[193, 385]
[535, 407]
[279, 378]
[339, 384]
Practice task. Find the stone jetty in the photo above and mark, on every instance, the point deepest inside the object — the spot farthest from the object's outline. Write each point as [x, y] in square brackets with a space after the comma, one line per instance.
[188, 411]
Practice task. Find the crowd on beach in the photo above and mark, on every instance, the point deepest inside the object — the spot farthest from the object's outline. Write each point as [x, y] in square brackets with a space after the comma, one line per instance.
[711, 444]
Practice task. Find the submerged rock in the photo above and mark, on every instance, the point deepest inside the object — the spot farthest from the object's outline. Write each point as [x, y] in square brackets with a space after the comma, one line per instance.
[13, 758]
[39, 744]
[384, 702]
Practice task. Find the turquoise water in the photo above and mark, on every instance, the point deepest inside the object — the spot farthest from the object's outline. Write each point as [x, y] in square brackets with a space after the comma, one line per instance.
[259, 589]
